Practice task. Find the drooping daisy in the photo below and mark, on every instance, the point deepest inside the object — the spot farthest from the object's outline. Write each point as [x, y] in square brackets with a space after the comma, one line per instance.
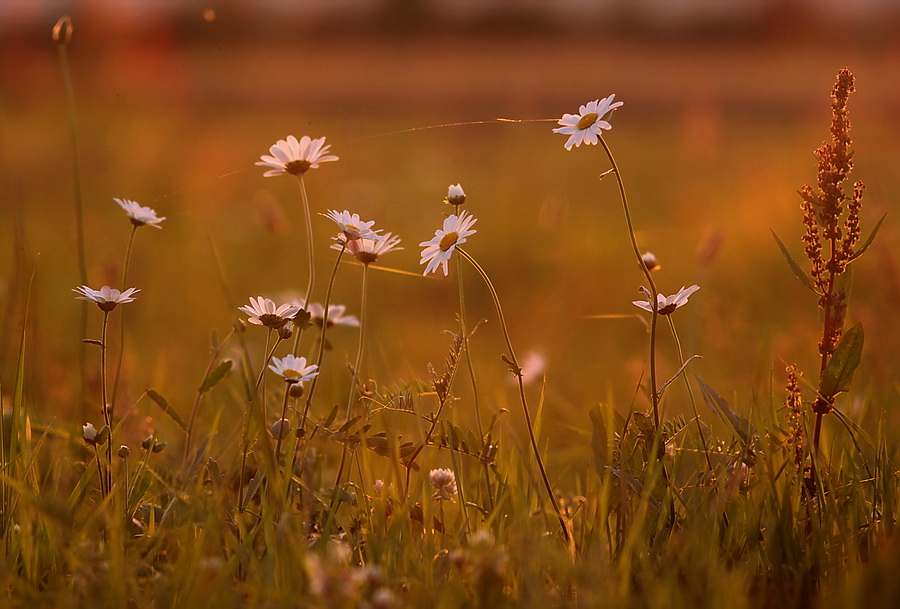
[444, 480]
[293, 369]
[456, 195]
[107, 298]
[352, 227]
[439, 248]
[263, 312]
[368, 251]
[336, 315]
[585, 127]
[290, 157]
[665, 305]
[138, 214]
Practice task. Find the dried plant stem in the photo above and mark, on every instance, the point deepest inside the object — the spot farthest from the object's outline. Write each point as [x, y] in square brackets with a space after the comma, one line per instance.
[517, 370]
[362, 340]
[654, 395]
[311, 255]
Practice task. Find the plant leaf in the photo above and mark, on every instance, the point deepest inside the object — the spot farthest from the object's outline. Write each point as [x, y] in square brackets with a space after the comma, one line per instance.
[216, 375]
[796, 268]
[167, 408]
[659, 391]
[838, 374]
[741, 426]
[868, 241]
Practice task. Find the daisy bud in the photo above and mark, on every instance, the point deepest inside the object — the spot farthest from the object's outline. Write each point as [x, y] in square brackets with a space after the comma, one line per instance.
[650, 261]
[90, 434]
[296, 390]
[239, 326]
[285, 332]
[62, 31]
[124, 452]
[147, 444]
[456, 195]
[159, 447]
[280, 429]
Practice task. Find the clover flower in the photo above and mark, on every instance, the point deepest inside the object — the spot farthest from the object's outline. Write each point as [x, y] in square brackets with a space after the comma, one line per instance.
[367, 251]
[138, 214]
[665, 305]
[585, 127]
[292, 157]
[444, 481]
[336, 315]
[455, 195]
[438, 249]
[352, 227]
[293, 369]
[263, 312]
[107, 298]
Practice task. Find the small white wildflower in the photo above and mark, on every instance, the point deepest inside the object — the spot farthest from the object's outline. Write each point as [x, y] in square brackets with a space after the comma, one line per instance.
[263, 312]
[438, 250]
[665, 305]
[585, 127]
[367, 251]
[107, 298]
[294, 369]
[456, 195]
[139, 215]
[336, 315]
[351, 226]
[444, 481]
[292, 157]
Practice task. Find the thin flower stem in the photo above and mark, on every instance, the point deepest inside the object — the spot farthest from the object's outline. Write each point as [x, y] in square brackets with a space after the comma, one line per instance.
[310, 254]
[362, 340]
[79, 209]
[314, 382]
[654, 396]
[100, 472]
[119, 358]
[199, 397]
[284, 405]
[465, 333]
[107, 414]
[517, 370]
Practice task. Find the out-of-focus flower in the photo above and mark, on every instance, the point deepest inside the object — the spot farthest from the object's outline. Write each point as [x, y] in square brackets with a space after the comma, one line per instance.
[585, 127]
[294, 369]
[368, 251]
[292, 157]
[456, 195]
[280, 429]
[533, 367]
[107, 298]
[336, 315]
[263, 312]
[139, 215]
[649, 260]
[444, 481]
[665, 305]
[438, 249]
[352, 227]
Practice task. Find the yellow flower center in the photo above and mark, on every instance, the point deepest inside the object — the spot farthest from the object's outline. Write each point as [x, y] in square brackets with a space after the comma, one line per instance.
[448, 241]
[297, 167]
[587, 120]
[292, 373]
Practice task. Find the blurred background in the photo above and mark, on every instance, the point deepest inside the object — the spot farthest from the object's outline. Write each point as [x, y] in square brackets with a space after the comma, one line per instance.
[725, 102]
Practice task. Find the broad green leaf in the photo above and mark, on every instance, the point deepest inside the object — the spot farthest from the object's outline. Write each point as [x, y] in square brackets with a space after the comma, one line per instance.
[742, 426]
[167, 408]
[216, 375]
[838, 374]
[868, 241]
[796, 268]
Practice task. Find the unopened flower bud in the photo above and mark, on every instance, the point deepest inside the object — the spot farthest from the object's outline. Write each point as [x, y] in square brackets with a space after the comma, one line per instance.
[296, 390]
[159, 447]
[148, 442]
[456, 195]
[124, 452]
[62, 31]
[89, 433]
[650, 261]
[239, 326]
[285, 331]
[280, 429]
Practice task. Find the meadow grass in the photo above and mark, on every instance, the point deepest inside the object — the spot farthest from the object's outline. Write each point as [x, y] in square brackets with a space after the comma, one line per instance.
[395, 492]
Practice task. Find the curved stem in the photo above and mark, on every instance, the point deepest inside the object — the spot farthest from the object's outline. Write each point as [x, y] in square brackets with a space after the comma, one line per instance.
[362, 341]
[654, 397]
[687, 384]
[517, 370]
[119, 358]
[310, 254]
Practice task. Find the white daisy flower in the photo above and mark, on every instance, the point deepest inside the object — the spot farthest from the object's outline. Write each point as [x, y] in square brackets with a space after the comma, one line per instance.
[263, 312]
[107, 298]
[290, 157]
[351, 226]
[336, 315]
[585, 127]
[368, 251]
[456, 195]
[293, 369]
[138, 214]
[444, 480]
[665, 305]
[438, 250]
